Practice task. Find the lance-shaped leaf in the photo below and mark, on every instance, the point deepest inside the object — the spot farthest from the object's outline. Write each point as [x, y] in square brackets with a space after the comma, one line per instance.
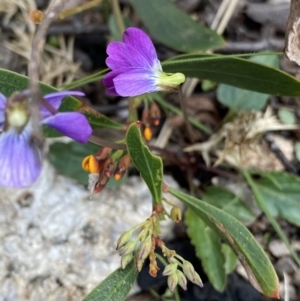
[115, 287]
[259, 269]
[149, 165]
[11, 82]
[208, 249]
[174, 28]
[236, 72]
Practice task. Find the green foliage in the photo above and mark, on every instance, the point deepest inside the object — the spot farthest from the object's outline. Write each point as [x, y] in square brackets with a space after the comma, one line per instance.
[175, 28]
[261, 201]
[11, 82]
[115, 287]
[229, 202]
[280, 192]
[235, 71]
[256, 263]
[240, 99]
[208, 249]
[287, 116]
[149, 165]
[67, 158]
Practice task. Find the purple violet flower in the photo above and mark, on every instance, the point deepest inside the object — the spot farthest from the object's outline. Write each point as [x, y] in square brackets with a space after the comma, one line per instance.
[135, 67]
[20, 158]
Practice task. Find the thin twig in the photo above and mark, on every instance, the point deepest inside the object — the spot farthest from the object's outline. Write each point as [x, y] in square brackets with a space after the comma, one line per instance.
[33, 69]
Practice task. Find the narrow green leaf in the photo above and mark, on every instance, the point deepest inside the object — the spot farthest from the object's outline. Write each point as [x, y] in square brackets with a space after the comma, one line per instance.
[236, 72]
[174, 28]
[230, 259]
[229, 202]
[149, 165]
[208, 249]
[11, 82]
[256, 263]
[281, 192]
[115, 287]
[239, 99]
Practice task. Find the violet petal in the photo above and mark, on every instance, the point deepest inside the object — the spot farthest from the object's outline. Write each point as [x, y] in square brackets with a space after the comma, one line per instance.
[55, 100]
[71, 124]
[140, 42]
[2, 109]
[20, 161]
[136, 82]
[124, 55]
[108, 78]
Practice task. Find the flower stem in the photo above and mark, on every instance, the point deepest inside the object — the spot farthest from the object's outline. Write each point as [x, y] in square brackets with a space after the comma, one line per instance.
[185, 115]
[118, 16]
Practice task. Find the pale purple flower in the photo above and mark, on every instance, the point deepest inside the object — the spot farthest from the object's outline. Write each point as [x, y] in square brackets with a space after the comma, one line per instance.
[20, 158]
[135, 67]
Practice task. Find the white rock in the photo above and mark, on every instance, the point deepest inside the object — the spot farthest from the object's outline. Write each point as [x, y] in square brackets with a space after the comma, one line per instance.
[62, 243]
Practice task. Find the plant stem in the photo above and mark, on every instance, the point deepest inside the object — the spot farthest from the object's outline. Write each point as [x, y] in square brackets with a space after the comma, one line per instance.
[185, 115]
[261, 203]
[118, 16]
[78, 9]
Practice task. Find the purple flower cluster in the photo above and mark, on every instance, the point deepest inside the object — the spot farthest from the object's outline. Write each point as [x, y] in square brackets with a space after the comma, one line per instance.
[20, 158]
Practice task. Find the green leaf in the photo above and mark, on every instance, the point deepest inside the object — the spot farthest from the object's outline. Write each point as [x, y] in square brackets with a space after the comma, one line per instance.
[67, 158]
[287, 116]
[236, 72]
[229, 202]
[297, 150]
[174, 28]
[281, 192]
[230, 259]
[256, 263]
[149, 165]
[115, 287]
[239, 99]
[208, 249]
[11, 82]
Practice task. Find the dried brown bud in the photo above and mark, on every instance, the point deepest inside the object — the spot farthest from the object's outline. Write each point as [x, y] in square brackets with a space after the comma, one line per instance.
[122, 167]
[36, 16]
[103, 153]
[155, 114]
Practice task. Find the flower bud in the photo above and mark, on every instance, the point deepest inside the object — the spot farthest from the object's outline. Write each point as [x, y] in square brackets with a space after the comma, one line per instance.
[147, 133]
[175, 214]
[36, 16]
[126, 259]
[103, 153]
[155, 114]
[124, 238]
[172, 282]
[181, 279]
[190, 273]
[128, 248]
[145, 248]
[139, 264]
[122, 167]
[145, 116]
[91, 164]
[108, 168]
[170, 269]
